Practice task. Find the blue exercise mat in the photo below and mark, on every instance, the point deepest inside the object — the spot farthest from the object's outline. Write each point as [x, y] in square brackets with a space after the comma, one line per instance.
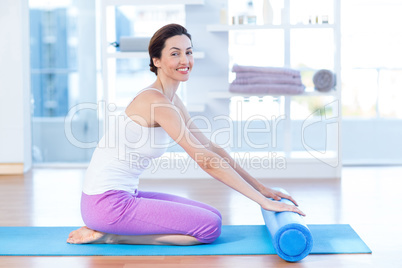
[234, 240]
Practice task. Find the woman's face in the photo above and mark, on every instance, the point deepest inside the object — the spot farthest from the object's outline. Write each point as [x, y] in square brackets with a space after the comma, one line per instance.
[176, 60]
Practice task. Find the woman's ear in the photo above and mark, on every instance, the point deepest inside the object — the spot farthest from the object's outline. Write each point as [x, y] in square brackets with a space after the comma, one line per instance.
[156, 62]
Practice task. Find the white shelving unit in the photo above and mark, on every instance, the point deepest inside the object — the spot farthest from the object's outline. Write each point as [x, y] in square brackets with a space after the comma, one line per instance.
[211, 72]
[151, 2]
[329, 164]
[226, 28]
[227, 94]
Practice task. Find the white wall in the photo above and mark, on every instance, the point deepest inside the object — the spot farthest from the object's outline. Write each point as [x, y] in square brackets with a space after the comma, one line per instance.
[372, 141]
[15, 118]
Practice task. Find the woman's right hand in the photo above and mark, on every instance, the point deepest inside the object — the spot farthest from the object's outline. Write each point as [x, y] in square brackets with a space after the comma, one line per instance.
[280, 206]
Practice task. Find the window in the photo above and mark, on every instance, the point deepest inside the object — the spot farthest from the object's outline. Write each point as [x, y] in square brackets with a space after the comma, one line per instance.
[59, 77]
[53, 58]
[371, 59]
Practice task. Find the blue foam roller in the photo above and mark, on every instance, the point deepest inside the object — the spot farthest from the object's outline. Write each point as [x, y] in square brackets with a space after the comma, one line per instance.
[291, 237]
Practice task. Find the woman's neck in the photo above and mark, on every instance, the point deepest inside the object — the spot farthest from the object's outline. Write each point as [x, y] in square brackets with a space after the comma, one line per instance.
[168, 88]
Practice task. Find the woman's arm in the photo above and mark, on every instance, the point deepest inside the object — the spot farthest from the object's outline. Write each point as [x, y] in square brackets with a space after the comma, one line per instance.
[170, 118]
[267, 192]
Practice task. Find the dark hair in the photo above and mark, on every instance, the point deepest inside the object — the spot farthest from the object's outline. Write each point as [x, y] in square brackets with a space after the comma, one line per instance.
[157, 43]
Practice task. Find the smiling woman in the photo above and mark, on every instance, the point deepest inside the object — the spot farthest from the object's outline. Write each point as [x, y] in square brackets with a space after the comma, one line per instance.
[113, 208]
[170, 52]
[157, 43]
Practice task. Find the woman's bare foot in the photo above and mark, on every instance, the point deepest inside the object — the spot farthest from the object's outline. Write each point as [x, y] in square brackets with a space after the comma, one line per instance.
[84, 235]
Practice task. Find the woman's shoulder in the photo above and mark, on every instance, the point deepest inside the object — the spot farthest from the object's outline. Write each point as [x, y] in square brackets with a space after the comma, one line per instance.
[148, 96]
[142, 105]
[150, 93]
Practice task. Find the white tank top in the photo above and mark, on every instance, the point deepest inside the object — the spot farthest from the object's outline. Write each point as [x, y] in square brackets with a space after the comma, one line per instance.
[122, 154]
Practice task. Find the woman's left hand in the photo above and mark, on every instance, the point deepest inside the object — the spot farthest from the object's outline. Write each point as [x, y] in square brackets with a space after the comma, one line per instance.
[276, 195]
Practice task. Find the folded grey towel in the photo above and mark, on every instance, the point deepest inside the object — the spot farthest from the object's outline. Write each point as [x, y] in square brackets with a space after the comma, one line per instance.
[266, 70]
[276, 76]
[267, 89]
[268, 80]
[134, 44]
[324, 80]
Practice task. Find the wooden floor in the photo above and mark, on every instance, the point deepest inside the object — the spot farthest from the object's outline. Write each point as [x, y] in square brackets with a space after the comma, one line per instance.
[370, 199]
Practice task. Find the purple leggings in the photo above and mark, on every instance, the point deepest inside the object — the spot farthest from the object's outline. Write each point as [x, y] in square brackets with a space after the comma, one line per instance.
[145, 213]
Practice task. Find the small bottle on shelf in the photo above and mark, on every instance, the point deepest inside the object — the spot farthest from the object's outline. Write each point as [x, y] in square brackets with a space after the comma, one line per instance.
[251, 17]
[267, 12]
[223, 15]
[241, 20]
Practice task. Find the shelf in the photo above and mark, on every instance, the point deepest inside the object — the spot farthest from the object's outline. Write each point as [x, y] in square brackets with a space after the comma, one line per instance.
[227, 94]
[226, 28]
[295, 156]
[121, 106]
[152, 2]
[144, 55]
[261, 165]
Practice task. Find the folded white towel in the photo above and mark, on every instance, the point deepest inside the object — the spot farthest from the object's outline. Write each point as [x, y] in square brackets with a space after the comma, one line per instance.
[324, 80]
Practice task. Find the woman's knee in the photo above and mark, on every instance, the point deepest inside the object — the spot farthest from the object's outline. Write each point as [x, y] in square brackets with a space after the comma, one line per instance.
[211, 231]
[217, 213]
